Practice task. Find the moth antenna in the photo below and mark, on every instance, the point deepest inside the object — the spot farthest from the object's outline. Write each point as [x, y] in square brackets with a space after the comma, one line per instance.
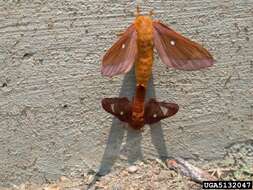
[138, 11]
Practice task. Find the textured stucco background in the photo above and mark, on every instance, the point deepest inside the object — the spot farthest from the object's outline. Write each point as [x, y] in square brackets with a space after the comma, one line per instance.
[51, 120]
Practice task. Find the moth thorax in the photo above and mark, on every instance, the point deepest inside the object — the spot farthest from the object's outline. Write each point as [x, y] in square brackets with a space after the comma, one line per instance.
[144, 28]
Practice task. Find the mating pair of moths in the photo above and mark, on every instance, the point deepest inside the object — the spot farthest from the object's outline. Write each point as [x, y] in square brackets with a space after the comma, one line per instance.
[135, 47]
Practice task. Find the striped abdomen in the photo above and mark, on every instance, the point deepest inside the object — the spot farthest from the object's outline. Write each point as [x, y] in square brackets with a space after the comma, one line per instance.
[144, 62]
[143, 65]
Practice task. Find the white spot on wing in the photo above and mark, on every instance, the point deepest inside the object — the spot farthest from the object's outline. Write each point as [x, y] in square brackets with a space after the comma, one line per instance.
[164, 110]
[121, 113]
[113, 108]
[154, 115]
[172, 42]
[123, 46]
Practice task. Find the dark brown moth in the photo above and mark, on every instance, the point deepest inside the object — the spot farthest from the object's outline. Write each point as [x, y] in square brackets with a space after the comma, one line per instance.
[131, 112]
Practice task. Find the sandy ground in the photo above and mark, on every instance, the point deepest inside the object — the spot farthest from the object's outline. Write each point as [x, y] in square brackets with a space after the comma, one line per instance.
[155, 174]
[151, 174]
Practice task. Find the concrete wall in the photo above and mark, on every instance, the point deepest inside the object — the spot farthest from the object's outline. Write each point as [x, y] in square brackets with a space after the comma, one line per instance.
[51, 120]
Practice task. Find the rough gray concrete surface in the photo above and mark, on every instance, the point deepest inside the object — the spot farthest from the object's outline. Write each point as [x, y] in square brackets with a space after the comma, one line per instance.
[51, 120]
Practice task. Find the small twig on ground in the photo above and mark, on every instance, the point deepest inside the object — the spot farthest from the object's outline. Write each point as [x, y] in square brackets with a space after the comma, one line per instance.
[186, 169]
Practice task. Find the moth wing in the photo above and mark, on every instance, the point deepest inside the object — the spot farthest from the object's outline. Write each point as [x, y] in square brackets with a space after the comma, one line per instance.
[119, 107]
[156, 111]
[121, 56]
[178, 51]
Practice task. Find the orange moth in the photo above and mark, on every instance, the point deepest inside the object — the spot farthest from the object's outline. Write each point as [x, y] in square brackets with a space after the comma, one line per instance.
[135, 47]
